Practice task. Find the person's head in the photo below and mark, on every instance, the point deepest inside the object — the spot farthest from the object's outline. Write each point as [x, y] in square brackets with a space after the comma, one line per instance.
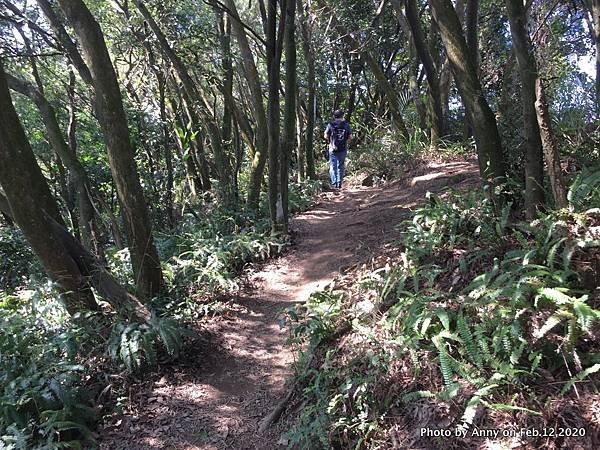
[338, 114]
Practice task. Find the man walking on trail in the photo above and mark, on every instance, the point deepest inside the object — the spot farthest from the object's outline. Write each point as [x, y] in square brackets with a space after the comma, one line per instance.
[338, 133]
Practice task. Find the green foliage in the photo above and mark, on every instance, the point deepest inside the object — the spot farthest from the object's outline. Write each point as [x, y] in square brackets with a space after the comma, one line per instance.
[17, 261]
[318, 318]
[383, 145]
[487, 304]
[585, 189]
[135, 345]
[42, 405]
[203, 258]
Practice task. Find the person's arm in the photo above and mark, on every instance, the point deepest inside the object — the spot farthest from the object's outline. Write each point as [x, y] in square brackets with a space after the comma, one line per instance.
[327, 133]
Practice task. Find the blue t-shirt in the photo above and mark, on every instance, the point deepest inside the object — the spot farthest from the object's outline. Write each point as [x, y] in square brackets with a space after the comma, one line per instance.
[329, 131]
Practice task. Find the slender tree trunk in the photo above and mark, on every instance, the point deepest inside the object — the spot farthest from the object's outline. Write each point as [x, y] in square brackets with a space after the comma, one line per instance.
[289, 115]
[445, 86]
[464, 69]
[88, 220]
[300, 136]
[34, 209]
[308, 51]
[109, 107]
[259, 159]
[471, 29]
[551, 153]
[224, 30]
[274, 70]
[222, 163]
[534, 166]
[431, 73]
[166, 144]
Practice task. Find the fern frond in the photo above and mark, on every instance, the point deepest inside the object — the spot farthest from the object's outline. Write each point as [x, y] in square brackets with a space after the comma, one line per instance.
[578, 377]
[465, 334]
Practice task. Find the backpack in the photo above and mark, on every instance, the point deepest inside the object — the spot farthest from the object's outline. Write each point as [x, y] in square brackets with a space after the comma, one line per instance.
[338, 136]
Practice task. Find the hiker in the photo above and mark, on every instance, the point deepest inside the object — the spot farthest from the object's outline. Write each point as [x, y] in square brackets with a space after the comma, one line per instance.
[338, 133]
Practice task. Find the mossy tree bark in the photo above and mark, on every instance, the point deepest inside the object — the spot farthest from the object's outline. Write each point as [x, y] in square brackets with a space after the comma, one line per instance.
[550, 146]
[108, 104]
[464, 69]
[311, 103]
[35, 211]
[289, 114]
[534, 166]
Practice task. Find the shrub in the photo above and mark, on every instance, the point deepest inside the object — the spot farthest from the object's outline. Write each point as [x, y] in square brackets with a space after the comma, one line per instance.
[41, 402]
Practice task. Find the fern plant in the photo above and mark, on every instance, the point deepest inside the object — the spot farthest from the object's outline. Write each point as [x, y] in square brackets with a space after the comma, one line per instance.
[135, 345]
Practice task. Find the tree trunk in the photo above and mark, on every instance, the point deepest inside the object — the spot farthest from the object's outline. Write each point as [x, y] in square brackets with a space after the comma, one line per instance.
[109, 107]
[464, 69]
[273, 69]
[551, 153]
[289, 114]
[300, 136]
[224, 30]
[471, 28]
[534, 166]
[311, 107]
[431, 73]
[166, 144]
[88, 219]
[35, 211]
[259, 159]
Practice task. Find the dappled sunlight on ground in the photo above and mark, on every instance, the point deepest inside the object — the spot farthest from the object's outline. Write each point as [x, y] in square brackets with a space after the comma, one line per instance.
[236, 373]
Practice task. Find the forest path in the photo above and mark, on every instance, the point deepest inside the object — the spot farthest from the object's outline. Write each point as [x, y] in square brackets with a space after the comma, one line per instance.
[215, 399]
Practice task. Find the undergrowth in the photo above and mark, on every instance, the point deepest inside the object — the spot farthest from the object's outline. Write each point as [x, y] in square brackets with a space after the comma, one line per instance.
[51, 391]
[383, 145]
[474, 321]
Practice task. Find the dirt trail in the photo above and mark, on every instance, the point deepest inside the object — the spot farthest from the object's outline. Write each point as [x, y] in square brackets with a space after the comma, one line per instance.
[236, 376]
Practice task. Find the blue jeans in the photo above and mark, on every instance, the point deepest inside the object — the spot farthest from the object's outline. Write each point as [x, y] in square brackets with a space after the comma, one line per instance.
[336, 167]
